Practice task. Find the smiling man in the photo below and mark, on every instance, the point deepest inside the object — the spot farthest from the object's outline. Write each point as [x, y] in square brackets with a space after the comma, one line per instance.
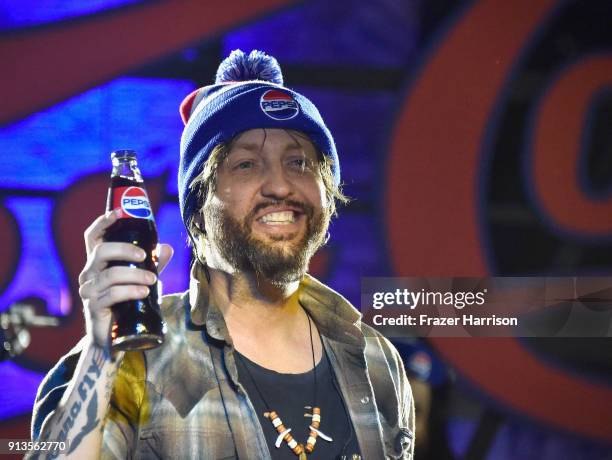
[260, 359]
[271, 212]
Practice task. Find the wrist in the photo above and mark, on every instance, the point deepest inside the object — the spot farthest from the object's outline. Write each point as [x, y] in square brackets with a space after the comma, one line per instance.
[104, 350]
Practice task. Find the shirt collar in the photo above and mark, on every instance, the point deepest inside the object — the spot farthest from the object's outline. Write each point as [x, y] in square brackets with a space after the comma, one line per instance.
[334, 316]
[203, 312]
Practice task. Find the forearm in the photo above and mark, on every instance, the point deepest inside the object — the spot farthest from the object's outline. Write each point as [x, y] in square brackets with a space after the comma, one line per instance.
[80, 415]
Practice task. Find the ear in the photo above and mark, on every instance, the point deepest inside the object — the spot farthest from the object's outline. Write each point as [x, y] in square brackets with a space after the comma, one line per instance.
[198, 220]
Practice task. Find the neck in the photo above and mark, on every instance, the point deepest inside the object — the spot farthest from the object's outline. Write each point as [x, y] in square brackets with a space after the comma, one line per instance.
[250, 296]
[261, 317]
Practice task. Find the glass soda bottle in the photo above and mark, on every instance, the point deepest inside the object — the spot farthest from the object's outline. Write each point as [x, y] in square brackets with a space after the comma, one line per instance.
[137, 324]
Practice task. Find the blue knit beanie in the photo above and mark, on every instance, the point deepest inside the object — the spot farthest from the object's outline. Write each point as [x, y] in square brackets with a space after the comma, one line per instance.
[248, 93]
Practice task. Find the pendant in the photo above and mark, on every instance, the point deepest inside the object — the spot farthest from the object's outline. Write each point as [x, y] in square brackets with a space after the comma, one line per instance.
[284, 433]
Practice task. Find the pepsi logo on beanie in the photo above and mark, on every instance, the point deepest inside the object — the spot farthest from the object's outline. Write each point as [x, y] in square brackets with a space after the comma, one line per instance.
[248, 93]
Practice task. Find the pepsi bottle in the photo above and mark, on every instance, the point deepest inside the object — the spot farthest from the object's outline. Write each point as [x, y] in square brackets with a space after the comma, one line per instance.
[137, 324]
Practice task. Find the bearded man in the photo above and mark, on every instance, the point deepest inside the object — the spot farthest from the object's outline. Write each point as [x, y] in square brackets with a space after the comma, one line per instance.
[260, 360]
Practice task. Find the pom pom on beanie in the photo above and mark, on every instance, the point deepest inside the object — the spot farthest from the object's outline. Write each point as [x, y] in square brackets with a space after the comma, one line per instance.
[256, 66]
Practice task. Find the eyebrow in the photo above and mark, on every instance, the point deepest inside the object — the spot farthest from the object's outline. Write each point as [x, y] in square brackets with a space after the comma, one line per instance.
[247, 146]
[252, 146]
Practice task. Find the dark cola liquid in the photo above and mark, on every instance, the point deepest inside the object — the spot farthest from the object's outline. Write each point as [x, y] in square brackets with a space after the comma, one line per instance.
[137, 324]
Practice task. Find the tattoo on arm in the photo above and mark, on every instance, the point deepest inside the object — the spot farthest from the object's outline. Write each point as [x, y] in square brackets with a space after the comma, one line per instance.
[68, 416]
[90, 425]
[99, 356]
[108, 388]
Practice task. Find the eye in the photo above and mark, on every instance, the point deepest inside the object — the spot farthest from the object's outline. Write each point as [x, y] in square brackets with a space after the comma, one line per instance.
[244, 164]
[300, 163]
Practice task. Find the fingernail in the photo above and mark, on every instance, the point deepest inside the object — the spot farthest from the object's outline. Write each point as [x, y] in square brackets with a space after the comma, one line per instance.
[144, 291]
[151, 277]
[140, 254]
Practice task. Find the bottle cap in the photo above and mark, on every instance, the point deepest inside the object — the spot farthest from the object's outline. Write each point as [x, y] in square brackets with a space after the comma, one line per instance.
[125, 153]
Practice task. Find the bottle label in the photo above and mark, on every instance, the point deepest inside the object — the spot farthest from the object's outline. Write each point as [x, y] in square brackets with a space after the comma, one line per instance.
[132, 202]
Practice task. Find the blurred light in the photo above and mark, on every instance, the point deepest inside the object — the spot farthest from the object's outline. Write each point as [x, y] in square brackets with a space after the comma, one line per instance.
[15, 14]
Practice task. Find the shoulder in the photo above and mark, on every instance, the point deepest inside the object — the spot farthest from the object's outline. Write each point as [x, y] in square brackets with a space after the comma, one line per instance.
[173, 303]
[392, 390]
[386, 370]
[174, 308]
[381, 353]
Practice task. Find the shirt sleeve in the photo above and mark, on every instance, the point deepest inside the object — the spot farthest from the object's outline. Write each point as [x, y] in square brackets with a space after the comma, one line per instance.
[127, 409]
[52, 389]
[407, 414]
[398, 394]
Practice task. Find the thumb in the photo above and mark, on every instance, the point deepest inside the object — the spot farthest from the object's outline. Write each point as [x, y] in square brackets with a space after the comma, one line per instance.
[165, 254]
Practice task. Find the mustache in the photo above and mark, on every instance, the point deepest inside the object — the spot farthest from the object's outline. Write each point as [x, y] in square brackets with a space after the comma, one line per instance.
[303, 207]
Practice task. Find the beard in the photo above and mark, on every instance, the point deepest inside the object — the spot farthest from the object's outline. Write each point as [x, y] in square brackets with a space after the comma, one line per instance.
[279, 264]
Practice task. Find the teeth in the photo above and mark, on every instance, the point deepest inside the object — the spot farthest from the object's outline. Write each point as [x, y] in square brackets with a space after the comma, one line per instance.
[284, 217]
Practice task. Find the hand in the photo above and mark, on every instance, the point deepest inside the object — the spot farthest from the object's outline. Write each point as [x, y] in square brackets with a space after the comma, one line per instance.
[100, 286]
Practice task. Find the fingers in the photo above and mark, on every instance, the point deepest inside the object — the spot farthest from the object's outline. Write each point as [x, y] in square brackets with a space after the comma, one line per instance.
[103, 253]
[119, 276]
[95, 232]
[165, 254]
[117, 284]
[115, 294]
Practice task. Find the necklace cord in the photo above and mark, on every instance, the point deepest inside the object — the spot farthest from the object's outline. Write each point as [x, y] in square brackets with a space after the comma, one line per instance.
[314, 365]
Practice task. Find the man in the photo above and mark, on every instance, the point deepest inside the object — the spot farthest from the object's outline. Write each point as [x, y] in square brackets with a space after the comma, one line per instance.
[260, 359]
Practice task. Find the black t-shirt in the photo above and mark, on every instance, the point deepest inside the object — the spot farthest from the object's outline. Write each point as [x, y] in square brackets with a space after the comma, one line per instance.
[287, 395]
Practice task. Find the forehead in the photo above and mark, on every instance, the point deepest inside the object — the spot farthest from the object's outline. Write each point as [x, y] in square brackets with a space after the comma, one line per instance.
[273, 141]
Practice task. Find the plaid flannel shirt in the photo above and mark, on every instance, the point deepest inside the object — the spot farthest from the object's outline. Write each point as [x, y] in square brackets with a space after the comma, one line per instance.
[184, 400]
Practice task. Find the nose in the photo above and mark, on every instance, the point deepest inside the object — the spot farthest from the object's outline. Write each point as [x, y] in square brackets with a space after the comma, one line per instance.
[276, 184]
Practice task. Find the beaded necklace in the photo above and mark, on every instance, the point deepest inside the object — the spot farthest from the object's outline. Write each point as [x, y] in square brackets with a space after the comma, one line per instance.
[284, 433]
